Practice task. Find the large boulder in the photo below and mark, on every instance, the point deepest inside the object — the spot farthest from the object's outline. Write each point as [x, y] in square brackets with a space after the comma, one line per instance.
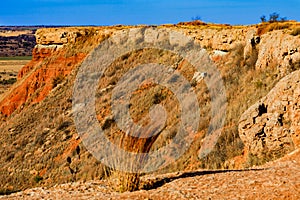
[271, 127]
[278, 49]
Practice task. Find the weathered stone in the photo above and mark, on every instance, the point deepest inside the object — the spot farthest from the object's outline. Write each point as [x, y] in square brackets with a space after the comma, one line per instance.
[278, 52]
[58, 36]
[272, 125]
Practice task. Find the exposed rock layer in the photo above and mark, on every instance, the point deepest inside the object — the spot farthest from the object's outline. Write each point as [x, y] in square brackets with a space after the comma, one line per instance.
[45, 134]
[272, 125]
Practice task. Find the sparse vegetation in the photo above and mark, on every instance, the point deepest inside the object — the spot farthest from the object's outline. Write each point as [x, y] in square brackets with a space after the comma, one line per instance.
[16, 58]
[45, 123]
[263, 18]
[275, 22]
[9, 81]
[295, 31]
[274, 17]
[38, 178]
[196, 18]
[126, 181]
[57, 80]
[268, 27]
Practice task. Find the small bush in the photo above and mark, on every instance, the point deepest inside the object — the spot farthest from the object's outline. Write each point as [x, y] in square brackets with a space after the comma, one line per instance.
[274, 17]
[38, 178]
[57, 80]
[8, 82]
[64, 125]
[263, 18]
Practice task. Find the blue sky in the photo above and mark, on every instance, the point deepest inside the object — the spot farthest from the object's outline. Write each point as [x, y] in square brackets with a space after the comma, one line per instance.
[111, 12]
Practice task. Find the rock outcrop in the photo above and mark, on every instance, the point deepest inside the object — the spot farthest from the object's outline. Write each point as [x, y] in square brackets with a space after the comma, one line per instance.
[272, 126]
[41, 79]
[54, 57]
[223, 39]
[278, 49]
[60, 36]
[57, 43]
[39, 137]
[274, 49]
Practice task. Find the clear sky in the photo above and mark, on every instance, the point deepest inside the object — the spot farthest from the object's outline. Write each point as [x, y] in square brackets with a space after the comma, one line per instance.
[111, 12]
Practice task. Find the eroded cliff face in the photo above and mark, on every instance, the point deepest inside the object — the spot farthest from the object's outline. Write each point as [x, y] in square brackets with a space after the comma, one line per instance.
[273, 49]
[57, 53]
[60, 50]
[39, 127]
[278, 49]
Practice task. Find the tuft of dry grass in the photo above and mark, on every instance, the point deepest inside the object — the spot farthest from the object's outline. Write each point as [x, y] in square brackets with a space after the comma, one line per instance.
[123, 181]
[193, 23]
[142, 99]
[295, 31]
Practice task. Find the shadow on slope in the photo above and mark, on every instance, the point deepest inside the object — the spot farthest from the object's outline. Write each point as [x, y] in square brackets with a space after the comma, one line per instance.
[159, 182]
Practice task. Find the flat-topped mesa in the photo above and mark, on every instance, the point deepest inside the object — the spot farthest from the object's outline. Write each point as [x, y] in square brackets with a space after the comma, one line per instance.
[60, 50]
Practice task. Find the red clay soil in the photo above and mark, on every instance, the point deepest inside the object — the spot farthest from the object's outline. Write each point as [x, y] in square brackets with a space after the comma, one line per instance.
[39, 83]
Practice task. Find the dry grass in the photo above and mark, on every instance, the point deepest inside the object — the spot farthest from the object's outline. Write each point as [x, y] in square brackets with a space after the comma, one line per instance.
[295, 31]
[8, 72]
[243, 84]
[199, 25]
[12, 65]
[271, 26]
[14, 33]
[48, 134]
[193, 23]
[141, 101]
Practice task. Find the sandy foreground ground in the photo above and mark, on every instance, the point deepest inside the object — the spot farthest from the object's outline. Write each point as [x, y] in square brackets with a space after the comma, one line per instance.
[275, 180]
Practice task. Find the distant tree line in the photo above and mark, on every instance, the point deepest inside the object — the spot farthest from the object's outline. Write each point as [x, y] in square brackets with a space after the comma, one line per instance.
[274, 17]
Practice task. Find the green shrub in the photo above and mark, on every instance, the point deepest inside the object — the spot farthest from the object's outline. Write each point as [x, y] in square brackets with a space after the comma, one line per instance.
[57, 80]
[38, 178]
[8, 82]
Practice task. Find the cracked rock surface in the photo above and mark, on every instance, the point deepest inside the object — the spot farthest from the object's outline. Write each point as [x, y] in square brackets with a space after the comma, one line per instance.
[272, 125]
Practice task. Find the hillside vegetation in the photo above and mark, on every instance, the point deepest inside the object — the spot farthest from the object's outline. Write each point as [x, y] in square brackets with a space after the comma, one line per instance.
[39, 142]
